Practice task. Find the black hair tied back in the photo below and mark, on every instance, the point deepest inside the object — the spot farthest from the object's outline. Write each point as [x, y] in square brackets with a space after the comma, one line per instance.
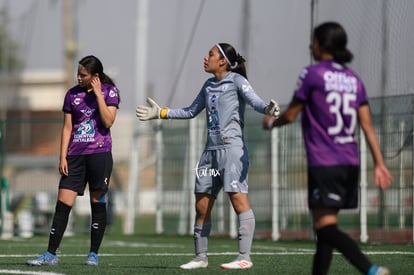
[240, 59]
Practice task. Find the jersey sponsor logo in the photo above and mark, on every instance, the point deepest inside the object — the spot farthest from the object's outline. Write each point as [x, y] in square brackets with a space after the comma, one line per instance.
[85, 132]
[213, 118]
[340, 82]
[213, 123]
[113, 93]
[76, 101]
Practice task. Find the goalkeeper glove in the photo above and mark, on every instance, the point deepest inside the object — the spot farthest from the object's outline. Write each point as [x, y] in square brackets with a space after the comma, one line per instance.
[151, 112]
[272, 109]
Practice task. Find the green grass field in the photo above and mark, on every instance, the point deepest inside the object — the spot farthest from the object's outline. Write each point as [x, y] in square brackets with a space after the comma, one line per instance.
[151, 254]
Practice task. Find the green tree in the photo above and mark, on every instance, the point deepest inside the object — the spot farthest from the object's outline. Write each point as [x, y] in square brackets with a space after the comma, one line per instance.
[9, 60]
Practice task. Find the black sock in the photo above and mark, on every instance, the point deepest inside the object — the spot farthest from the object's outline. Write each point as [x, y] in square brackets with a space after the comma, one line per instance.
[332, 236]
[98, 225]
[60, 221]
[322, 258]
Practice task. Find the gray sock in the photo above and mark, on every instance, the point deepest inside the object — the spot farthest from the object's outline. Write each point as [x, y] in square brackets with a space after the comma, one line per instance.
[201, 234]
[247, 224]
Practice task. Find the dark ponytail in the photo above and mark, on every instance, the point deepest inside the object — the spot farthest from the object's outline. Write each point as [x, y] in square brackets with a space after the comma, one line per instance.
[332, 39]
[235, 59]
[94, 66]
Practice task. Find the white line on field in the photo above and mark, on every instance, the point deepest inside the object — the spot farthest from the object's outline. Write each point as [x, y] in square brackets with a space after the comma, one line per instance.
[285, 253]
[10, 271]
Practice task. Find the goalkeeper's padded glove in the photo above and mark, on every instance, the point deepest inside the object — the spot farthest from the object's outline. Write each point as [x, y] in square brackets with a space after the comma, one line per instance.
[151, 112]
[272, 109]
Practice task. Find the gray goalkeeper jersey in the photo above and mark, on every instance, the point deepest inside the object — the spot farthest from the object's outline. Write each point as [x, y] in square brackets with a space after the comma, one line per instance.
[225, 103]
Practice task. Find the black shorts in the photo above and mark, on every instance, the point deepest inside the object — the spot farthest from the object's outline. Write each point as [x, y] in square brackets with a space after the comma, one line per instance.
[333, 186]
[94, 170]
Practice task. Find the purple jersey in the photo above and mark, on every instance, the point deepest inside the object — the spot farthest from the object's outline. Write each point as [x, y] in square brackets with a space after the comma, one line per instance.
[331, 94]
[88, 136]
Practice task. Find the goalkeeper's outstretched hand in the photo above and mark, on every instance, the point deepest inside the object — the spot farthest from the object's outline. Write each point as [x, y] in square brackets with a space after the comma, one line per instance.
[148, 112]
[272, 109]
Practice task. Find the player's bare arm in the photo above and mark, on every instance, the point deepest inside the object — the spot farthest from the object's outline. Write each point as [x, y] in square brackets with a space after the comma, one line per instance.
[107, 113]
[382, 176]
[288, 116]
[65, 137]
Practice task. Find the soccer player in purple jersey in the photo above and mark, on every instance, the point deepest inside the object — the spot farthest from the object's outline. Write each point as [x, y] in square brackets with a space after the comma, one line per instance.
[332, 100]
[85, 155]
[224, 163]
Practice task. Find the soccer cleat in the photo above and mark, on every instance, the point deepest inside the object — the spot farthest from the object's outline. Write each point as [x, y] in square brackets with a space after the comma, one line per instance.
[46, 258]
[243, 264]
[92, 259]
[195, 264]
[378, 270]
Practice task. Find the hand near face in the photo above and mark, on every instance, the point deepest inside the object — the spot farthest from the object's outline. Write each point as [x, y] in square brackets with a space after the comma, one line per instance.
[96, 86]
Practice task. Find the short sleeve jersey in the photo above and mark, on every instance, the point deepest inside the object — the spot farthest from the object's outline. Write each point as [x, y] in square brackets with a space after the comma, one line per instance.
[331, 94]
[89, 136]
[225, 102]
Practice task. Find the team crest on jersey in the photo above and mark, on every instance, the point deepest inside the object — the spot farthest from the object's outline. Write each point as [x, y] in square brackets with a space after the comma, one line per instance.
[88, 112]
[213, 99]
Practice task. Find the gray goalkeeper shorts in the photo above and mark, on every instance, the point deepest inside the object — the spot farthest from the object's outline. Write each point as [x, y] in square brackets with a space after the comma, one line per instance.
[222, 168]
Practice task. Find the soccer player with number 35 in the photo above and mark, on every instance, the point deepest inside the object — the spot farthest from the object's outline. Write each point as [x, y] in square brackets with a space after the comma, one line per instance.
[332, 100]
[224, 97]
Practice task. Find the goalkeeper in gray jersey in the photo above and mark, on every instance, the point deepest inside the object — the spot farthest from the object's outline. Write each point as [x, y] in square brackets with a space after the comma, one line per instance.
[225, 157]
